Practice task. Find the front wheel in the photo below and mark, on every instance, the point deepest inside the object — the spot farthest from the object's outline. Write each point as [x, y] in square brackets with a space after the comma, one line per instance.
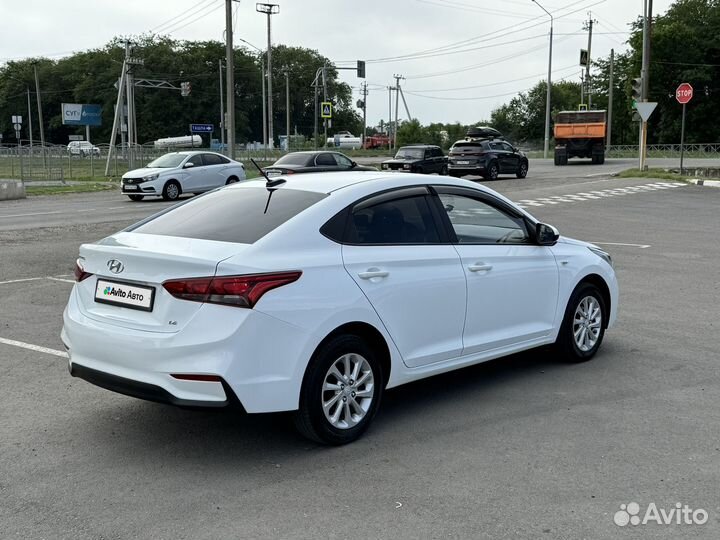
[341, 391]
[444, 170]
[136, 197]
[584, 324]
[523, 170]
[171, 191]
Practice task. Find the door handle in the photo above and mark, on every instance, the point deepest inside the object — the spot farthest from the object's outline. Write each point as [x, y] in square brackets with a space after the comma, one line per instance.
[373, 273]
[479, 267]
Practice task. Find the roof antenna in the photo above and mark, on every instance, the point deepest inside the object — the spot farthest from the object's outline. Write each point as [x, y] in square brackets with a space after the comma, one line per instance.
[269, 183]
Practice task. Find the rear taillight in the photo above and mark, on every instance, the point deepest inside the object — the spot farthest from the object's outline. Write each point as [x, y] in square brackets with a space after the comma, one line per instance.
[80, 273]
[238, 291]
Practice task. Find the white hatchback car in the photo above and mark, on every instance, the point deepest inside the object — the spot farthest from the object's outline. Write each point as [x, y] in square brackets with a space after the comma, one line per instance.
[173, 174]
[83, 148]
[317, 292]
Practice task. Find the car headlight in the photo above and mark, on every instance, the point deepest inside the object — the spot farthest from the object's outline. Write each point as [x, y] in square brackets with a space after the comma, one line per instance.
[406, 166]
[151, 177]
[602, 254]
[384, 165]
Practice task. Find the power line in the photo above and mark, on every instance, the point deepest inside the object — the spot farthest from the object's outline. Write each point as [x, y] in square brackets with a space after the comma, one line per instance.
[174, 20]
[208, 10]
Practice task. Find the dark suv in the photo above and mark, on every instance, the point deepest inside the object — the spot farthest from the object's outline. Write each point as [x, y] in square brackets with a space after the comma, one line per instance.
[486, 157]
[418, 158]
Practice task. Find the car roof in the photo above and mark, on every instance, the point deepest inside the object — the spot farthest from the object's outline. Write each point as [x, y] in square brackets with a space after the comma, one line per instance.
[325, 182]
[419, 146]
[310, 152]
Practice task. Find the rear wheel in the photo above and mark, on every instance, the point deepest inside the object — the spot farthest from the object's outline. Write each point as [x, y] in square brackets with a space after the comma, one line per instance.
[171, 191]
[522, 170]
[444, 170]
[492, 171]
[136, 197]
[232, 180]
[584, 324]
[341, 391]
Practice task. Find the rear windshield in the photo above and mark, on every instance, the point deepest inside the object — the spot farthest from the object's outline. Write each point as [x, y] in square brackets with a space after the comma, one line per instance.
[231, 215]
[465, 146]
[293, 159]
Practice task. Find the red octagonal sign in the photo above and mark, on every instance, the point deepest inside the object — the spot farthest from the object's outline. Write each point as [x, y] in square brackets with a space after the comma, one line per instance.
[684, 93]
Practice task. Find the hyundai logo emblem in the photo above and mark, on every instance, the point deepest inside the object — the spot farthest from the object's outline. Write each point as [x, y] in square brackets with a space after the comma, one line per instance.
[115, 266]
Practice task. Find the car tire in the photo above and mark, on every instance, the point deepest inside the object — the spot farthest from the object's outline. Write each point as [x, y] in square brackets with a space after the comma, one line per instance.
[232, 180]
[523, 170]
[136, 197]
[171, 190]
[492, 172]
[329, 412]
[444, 170]
[586, 312]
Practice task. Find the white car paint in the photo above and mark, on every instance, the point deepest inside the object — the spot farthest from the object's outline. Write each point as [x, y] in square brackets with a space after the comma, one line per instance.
[200, 177]
[433, 314]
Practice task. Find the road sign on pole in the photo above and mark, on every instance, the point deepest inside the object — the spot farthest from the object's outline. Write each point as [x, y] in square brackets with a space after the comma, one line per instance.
[326, 109]
[201, 128]
[645, 109]
[684, 93]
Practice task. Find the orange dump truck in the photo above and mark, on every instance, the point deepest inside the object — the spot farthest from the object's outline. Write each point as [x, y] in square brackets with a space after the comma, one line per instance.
[580, 134]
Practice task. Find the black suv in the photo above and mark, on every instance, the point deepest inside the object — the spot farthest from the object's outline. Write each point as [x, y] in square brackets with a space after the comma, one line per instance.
[418, 158]
[488, 158]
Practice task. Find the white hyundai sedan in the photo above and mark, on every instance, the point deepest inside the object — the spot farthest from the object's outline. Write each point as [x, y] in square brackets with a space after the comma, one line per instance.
[317, 293]
[173, 174]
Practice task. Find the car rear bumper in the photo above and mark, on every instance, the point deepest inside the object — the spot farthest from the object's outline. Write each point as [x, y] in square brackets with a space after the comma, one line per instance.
[264, 375]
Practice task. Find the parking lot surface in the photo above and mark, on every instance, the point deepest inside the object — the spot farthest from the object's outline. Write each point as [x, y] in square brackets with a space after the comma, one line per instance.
[521, 447]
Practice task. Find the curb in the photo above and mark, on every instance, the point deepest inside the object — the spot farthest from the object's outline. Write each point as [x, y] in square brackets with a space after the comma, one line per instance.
[709, 183]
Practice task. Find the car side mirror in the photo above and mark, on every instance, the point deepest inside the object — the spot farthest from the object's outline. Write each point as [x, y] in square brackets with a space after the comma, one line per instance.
[353, 164]
[188, 165]
[546, 235]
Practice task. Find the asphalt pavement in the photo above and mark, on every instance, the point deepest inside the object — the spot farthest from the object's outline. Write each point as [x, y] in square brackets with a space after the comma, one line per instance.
[521, 447]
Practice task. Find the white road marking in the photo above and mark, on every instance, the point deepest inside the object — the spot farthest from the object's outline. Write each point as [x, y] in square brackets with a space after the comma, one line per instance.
[60, 279]
[594, 195]
[640, 246]
[32, 214]
[32, 347]
[20, 280]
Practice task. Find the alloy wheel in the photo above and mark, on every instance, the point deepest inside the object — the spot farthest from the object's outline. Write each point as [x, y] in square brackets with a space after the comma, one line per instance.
[587, 323]
[348, 391]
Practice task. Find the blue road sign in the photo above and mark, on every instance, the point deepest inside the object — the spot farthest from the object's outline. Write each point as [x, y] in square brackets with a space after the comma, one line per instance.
[81, 114]
[202, 128]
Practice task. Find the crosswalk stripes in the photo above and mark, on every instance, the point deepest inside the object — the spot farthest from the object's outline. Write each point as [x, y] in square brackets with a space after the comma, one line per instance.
[597, 194]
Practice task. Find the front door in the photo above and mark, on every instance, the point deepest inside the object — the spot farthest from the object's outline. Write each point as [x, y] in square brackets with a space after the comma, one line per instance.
[512, 283]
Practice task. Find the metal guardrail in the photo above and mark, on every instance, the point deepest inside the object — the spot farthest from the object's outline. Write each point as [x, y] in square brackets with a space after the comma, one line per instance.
[709, 150]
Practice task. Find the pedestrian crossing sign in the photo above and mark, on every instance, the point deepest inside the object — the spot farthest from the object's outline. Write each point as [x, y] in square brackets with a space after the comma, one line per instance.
[326, 109]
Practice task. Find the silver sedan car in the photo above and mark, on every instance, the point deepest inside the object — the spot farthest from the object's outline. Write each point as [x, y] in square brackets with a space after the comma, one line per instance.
[176, 173]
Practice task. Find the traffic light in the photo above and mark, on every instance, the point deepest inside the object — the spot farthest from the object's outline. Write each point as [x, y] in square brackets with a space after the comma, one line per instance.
[185, 89]
[636, 88]
[361, 69]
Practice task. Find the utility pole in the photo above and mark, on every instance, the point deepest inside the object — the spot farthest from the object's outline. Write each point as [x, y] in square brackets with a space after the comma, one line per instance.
[40, 114]
[610, 99]
[391, 138]
[130, 98]
[549, 85]
[582, 87]
[222, 108]
[264, 101]
[230, 79]
[397, 102]
[287, 110]
[269, 10]
[117, 118]
[589, 28]
[645, 75]
[364, 95]
[30, 120]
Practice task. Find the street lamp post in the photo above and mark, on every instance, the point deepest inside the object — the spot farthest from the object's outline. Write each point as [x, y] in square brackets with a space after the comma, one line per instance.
[262, 77]
[269, 10]
[549, 84]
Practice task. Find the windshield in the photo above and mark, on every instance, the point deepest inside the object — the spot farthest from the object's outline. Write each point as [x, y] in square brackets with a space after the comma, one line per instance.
[409, 153]
[167, 161]
[293, 159]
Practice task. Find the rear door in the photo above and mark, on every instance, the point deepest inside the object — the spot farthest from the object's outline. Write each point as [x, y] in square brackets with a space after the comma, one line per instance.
[397, 254]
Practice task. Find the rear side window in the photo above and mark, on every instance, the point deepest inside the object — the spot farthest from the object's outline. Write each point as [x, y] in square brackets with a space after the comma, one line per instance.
[398, 221]
[325, 160]
[211, 159]
[231, 215]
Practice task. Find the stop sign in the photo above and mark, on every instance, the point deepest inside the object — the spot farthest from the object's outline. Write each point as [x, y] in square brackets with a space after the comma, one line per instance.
[684, 93]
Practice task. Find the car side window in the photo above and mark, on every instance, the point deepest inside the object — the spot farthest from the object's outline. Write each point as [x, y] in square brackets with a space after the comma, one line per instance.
[196, 160]
[342, 161]
[406, 220]
[211, 159]
[477, 222]
[428, 154]
[496, 146]
[324, 160]
[437, 152]
[507, 147]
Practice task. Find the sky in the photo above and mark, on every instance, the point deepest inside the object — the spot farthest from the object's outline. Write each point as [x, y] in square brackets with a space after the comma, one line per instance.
[460, 58]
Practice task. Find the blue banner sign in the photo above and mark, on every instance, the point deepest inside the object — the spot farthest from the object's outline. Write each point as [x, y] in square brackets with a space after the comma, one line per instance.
[201, 128]
[77, 114]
